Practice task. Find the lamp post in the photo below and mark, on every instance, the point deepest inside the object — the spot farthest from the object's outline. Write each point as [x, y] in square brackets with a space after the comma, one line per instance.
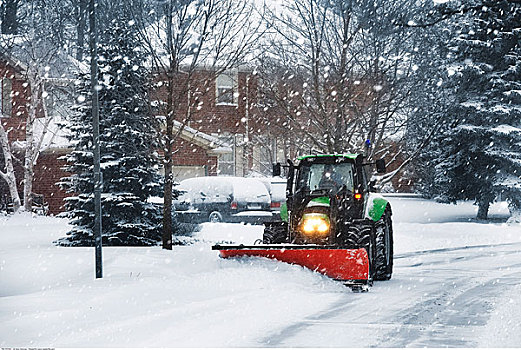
[95, 135]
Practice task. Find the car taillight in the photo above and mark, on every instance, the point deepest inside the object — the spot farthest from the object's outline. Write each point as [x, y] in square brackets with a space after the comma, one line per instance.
[233, 205]
[275, 205]
[358, 196]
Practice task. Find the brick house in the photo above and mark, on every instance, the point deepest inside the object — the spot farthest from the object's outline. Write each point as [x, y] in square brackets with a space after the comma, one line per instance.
[15, 94]
[220, 135]
[215, 141]
[197, 153]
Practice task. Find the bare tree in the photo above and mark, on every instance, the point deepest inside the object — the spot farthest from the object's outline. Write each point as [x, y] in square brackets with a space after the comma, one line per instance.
[183, 37]
[40, 60]
[8, 174]
[338, 74]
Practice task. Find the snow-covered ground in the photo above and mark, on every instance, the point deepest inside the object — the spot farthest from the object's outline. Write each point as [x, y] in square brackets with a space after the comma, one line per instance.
[456, 282]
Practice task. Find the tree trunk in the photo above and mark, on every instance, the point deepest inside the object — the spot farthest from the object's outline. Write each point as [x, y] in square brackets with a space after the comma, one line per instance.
[514, 206]
[13, 191]
[9, 175]
[28, 187]
[30, 145]
[28, 166]
[167, 206]
[483, 206]
[9, 16]
[167, 198]
[80, 28]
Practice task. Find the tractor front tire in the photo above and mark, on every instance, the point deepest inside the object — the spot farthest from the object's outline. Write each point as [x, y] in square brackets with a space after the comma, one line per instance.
[362, 236]
[275, 233]
[384, 247]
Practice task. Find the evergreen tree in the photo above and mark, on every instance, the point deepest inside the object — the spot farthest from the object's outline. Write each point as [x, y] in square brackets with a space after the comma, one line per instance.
[432, 96]
[480, 142]
[128, 135]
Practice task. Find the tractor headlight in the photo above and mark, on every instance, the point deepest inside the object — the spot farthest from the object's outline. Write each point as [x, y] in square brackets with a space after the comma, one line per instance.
[315, 224]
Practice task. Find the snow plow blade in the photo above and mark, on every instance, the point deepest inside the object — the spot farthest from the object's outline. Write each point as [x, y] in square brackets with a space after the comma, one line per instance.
[350, 266]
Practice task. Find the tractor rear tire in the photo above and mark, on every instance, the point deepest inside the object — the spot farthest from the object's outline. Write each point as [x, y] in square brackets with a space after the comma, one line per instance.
[384, 248]
[274, 234]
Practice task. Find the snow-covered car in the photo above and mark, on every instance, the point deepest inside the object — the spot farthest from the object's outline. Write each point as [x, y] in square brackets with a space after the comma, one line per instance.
[276, 187]
[222, 199]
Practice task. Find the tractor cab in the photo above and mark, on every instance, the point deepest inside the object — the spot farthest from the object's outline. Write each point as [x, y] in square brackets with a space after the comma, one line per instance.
[326, 190]
[327, 175]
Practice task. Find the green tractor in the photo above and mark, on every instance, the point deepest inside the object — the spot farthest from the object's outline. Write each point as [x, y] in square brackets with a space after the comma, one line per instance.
[332, 222]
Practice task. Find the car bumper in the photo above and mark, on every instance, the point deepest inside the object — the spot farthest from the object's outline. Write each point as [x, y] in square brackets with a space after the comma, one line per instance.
[246, 216]
[252, 217]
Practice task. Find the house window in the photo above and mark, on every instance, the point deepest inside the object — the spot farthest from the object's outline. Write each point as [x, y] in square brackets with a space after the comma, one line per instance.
[6, 87]
[226, 88]
[226, 161]
[226, 164]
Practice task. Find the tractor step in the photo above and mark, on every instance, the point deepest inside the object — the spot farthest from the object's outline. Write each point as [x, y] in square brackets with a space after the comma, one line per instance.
[350, 266]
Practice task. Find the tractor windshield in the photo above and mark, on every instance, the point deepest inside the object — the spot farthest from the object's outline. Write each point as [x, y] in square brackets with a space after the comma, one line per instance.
[325, 177]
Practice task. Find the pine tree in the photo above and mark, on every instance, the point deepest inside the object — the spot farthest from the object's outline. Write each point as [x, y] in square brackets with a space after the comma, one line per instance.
[481, 140]
[432, 96]
[128, 135]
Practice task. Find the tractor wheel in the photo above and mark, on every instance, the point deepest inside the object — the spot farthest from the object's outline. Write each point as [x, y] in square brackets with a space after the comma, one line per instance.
[362, 236]
[275, 234]
[355, 236]
[384, 247]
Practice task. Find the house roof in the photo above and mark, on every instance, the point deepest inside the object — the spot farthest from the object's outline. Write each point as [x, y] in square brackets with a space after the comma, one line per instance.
[212, 144]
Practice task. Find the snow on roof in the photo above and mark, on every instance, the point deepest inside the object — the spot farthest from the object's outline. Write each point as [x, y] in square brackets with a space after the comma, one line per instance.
[222, 150]
[341, 155]
[506, 129]
[55, 135]
[510, 181]
[201, 139]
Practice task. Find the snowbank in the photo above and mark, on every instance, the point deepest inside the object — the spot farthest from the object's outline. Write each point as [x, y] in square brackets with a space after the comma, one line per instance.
[505, 322]
[189, 297]
[148, 297]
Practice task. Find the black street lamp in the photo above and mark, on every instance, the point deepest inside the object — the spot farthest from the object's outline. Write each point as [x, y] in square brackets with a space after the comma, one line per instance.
[95, 134]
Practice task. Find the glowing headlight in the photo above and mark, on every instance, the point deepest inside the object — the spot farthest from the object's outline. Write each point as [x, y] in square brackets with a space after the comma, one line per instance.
[315, 224]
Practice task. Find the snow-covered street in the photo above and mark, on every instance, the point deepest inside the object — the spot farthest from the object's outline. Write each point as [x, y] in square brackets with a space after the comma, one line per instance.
[456, 283]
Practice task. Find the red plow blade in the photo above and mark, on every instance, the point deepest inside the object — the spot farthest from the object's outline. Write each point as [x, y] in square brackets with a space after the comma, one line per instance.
[348, 265]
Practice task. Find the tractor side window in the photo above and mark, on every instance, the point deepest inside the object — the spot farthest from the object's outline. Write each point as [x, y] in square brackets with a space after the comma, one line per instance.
[303, 179]
[365, 182]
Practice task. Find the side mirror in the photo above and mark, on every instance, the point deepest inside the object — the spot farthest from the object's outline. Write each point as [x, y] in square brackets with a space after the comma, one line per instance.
[372, 186]
[289, 184]
[380, 166]
[277, 169]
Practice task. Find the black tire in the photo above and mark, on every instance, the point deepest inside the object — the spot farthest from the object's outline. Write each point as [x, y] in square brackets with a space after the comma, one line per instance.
[361, 236]
[384, 247]
[355, 236]
[274, 233]
[215, 216]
